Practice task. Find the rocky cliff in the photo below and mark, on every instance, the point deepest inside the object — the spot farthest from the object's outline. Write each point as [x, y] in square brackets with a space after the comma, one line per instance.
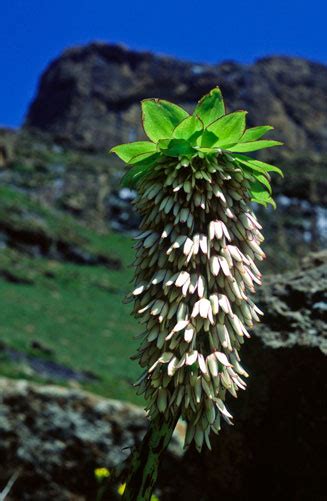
[54, 438]
[89, 96]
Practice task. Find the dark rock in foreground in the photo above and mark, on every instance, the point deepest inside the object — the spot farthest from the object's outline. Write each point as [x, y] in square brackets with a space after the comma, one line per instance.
[55, 438]
[275, 451]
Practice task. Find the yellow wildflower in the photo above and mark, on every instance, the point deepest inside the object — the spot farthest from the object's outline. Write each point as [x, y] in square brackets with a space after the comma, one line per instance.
[101, 473]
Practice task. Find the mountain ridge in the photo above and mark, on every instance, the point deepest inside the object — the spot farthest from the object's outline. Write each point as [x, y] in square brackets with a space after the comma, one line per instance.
[89, 96]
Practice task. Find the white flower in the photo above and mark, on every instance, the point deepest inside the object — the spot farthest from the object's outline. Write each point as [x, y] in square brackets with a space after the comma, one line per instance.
[194, 268]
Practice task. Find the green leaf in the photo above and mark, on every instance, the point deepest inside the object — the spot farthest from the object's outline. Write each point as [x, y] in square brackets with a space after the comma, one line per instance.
[127, 151]
[261, 178]
[207, 150]
[265, 202]
[176, 147]
[210, 107]
[228, 128]
[256, 165]
[189, 129]
[144, 157]
[140, 168]
[160, 118]
[258, 190]
[207, 139]
[254, 145]
[135, 174]
[261, 195]
[255, 133]
[163, 144]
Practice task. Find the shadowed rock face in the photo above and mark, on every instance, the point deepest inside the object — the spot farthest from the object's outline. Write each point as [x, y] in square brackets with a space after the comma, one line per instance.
[89, 97]
[275, 451]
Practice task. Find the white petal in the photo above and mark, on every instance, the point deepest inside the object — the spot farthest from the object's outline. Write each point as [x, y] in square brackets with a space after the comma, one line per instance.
[196, 244]
[214, 265]
[223, 335]
[193, 283]
[224, 265]
[224, 303]
[205, 307]
[225, 230]
[221, 357]
[235, 253]
[188, 334]
[222, 408]
[180, 325]
[171, 369]
[196, 309]
[201, 286]
[139, 290]
[182, 278]
[204, 244]
[237, 325]
[219, 229]
[187, 246]
[202, 364]
[191, 357]
[212, 230]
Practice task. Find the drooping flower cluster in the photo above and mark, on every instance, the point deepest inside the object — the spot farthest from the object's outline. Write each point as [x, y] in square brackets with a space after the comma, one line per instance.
[194, 268]
[196, 251]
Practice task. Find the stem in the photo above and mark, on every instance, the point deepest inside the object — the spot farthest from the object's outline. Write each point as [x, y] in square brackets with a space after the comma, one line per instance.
[9, 485]
[145, 460]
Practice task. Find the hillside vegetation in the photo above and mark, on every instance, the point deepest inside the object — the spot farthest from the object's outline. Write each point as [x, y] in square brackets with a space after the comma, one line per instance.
[64, 313]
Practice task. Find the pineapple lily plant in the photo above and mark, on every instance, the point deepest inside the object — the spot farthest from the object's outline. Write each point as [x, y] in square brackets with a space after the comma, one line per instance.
[195, 266]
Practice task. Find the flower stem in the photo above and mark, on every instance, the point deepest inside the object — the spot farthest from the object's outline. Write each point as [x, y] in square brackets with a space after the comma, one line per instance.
[145, 460]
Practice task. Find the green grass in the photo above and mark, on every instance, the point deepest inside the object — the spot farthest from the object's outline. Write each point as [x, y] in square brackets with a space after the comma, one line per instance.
[77, 311]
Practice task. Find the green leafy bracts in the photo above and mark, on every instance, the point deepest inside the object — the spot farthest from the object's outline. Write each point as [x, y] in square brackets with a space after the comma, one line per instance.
[208, 132]
[196, 253]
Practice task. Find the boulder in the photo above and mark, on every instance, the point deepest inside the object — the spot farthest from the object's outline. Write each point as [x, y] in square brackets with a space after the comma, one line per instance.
[54, 438]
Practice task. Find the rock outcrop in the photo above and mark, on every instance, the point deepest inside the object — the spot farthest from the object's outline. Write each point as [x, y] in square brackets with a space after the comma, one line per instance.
[276, 450]
[55, 437]
[89, 96]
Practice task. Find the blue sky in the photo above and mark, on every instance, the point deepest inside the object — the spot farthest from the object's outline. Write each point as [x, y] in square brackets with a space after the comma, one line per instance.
[33, 32]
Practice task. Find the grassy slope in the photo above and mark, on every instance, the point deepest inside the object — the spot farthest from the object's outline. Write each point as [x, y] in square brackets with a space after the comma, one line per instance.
[77, 311]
